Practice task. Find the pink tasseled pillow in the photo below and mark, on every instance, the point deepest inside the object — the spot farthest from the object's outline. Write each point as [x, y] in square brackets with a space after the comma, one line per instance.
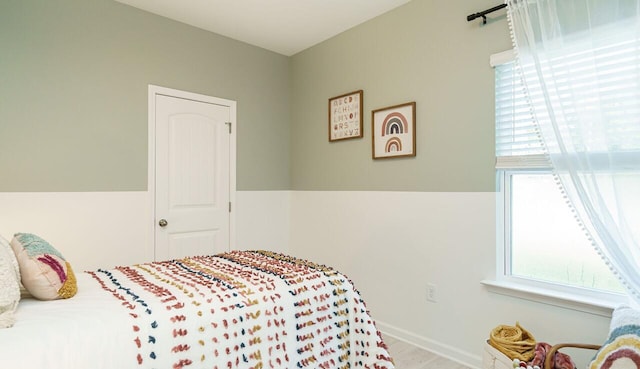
[44, 271]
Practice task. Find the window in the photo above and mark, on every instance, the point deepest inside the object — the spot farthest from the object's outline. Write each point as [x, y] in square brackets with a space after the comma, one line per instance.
[540, 244]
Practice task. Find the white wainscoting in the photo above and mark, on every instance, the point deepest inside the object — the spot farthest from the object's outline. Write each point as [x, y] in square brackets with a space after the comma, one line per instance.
[106, 229]
[392, 244]
[262, 220]
[91, 229]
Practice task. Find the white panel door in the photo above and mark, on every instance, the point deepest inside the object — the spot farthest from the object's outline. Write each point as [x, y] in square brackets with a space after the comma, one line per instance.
[192, 144]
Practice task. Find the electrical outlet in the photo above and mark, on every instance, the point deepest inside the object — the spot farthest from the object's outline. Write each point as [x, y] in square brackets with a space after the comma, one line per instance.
[431, 293]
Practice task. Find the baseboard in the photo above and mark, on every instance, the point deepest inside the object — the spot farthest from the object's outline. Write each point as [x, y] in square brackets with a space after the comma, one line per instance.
[438, 348]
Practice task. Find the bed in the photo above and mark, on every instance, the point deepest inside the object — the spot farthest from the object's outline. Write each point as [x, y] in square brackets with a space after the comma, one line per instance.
[241, 309]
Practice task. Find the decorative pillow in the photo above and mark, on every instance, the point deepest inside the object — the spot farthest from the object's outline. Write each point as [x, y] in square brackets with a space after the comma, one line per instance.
[622, 348]
[9, 284]
[45, 272]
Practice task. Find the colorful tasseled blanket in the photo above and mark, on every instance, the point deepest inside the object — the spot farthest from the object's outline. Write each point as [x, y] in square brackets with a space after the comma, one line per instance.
[244, 309]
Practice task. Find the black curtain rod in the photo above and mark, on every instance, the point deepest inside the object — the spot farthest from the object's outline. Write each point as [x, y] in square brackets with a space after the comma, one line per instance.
[484, 13]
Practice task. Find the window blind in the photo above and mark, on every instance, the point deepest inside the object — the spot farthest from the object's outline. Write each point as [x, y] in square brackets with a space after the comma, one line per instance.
[518, 144]
[605, 104]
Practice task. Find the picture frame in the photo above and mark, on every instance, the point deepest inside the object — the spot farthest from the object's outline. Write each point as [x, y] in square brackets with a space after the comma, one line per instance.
[393, 131]
[345, 116]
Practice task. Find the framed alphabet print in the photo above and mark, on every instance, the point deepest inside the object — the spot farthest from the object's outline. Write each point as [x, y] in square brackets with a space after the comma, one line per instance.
[345, 116]
[394, 131]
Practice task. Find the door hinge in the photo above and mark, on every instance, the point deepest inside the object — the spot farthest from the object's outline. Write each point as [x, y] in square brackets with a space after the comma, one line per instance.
[229, 206]
[229, 125]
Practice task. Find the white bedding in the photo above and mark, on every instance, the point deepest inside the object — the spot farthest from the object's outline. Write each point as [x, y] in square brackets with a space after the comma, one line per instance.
[242, 309]
[92, 322]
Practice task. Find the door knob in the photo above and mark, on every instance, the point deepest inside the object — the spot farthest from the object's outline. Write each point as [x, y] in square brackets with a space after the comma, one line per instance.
[163, 223]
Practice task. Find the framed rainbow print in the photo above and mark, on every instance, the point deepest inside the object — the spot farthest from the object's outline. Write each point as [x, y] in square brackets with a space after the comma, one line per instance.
[394, 131]
[345, 116]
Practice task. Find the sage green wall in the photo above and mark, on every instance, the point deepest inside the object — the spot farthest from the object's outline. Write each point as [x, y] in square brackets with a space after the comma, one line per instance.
[424, 51]
[73, 95]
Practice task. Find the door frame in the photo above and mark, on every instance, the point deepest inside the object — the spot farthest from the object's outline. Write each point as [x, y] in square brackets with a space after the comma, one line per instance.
[151, 161]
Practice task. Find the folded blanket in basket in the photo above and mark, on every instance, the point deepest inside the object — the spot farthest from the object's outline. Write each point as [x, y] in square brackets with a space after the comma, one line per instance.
[515, 342]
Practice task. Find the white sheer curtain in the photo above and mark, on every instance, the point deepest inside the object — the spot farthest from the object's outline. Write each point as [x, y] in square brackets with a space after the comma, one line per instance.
[580, 63]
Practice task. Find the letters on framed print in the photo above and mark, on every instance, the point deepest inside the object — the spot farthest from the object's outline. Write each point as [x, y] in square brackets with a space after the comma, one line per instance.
[394, 131]
[345, 116]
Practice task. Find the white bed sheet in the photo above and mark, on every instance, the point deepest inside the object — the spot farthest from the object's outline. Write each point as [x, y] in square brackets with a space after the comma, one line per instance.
[85, 331]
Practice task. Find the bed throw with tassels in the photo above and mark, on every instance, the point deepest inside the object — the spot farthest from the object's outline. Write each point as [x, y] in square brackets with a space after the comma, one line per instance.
[244, 309]
[241, 309]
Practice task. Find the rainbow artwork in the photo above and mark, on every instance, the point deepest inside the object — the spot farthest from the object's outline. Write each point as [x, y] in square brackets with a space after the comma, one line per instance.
[393, 130]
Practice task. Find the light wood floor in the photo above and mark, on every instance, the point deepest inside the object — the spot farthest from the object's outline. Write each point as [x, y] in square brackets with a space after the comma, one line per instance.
[407, 356]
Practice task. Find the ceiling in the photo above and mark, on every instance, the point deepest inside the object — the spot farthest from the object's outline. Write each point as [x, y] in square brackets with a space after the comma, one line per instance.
[283, 26]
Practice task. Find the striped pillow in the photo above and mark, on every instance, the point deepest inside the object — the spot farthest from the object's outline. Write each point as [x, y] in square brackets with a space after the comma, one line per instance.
[622, 348]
